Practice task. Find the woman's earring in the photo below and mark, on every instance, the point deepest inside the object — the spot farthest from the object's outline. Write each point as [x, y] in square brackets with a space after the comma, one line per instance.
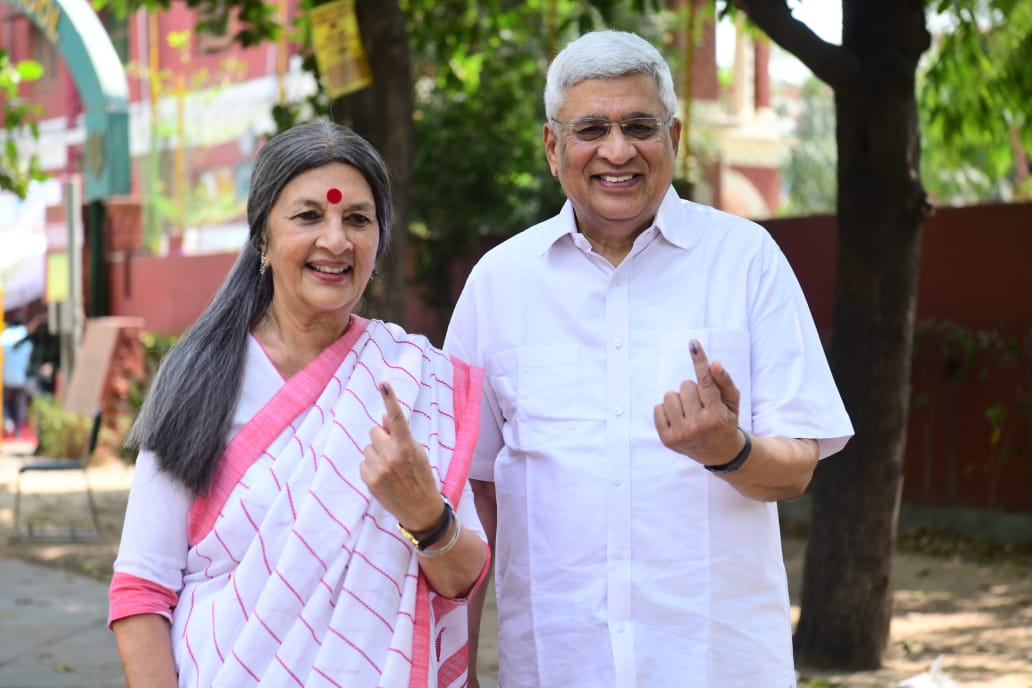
[264, 265]
[373, 276]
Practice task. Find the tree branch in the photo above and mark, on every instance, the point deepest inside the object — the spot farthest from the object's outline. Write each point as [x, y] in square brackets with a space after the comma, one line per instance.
[832, 64]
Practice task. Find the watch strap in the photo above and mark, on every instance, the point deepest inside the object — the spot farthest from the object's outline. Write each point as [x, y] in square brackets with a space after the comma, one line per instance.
[423, 539]
[737, 462]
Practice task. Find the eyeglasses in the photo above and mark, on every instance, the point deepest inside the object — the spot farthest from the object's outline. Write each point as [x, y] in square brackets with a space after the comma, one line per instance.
[591, 129]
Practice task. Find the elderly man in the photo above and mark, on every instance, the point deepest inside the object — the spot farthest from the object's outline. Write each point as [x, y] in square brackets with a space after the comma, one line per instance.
[654, 384]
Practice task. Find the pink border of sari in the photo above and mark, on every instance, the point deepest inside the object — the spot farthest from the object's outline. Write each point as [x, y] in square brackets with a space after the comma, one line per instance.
[296, 394]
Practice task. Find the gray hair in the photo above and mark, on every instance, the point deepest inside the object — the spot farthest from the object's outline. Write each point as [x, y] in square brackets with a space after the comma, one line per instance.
[189, 407]
[606, 55]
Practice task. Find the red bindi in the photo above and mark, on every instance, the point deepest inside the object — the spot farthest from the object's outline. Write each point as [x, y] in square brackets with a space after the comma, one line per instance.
[334, 195]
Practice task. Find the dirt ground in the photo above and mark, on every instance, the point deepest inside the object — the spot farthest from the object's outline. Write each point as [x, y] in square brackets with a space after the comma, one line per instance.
[970, 604]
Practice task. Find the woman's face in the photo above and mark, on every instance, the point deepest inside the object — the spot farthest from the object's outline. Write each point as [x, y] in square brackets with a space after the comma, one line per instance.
[322, 240]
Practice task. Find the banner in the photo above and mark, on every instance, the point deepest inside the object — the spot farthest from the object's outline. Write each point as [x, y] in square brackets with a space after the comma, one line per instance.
[338, 48]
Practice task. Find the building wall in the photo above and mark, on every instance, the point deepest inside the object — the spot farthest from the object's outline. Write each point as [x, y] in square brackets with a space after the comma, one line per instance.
[969, 437]
[168, 292]
[973, 263]
[767, 181]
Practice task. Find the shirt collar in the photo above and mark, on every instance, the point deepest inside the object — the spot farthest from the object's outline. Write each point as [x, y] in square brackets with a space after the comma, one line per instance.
[556, 228]
[671, 222]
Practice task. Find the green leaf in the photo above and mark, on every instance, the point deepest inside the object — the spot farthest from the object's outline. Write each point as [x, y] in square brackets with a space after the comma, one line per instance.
[29, 70]
[974, 101]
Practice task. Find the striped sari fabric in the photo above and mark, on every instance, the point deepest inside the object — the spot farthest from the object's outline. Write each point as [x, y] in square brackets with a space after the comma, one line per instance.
[296, 575]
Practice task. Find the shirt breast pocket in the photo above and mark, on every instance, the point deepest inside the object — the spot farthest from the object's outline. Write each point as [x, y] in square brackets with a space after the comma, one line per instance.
[538, 391]
[729, 346]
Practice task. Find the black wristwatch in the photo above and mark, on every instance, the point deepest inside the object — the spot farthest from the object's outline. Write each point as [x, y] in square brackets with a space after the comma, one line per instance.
[735, 463]
[423, 539]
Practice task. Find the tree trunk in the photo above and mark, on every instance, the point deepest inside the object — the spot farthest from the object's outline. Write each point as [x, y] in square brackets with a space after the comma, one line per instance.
[383, 115]
[846, 604]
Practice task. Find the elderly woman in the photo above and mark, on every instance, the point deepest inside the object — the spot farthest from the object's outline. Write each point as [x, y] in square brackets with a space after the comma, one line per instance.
[300, 513]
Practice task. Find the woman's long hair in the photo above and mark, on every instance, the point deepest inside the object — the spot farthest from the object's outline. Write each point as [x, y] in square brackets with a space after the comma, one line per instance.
[189, 408]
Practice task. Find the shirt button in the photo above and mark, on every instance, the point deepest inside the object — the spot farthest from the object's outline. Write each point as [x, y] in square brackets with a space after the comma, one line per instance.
[618, 411]
[617, 281]
[617, 480]
[619, 554]
[617, 342]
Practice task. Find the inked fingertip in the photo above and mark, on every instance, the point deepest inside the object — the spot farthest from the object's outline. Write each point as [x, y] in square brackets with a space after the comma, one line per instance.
[694, 346]
[384, 389]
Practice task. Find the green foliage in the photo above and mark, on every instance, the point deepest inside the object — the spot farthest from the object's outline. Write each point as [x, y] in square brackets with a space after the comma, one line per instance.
[479, 164]
[976, 103]
[257, 20]
[61, 434]
[317, 104]
[16, 172]
[810, 174]
[480, 167]
[155, 346]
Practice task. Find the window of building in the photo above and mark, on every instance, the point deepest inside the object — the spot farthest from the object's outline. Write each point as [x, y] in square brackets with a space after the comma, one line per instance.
[44, 52]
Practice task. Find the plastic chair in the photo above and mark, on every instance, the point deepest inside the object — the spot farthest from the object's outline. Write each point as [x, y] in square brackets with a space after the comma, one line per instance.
[54, 465]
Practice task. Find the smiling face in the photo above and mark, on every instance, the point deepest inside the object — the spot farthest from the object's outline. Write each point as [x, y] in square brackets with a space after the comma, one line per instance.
[615, 184]
[321, 252]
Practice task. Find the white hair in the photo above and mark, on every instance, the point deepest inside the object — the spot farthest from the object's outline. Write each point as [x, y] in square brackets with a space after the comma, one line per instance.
[606, 55]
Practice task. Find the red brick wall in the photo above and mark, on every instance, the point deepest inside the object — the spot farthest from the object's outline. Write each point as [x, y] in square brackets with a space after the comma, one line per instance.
[974, 274]
[168, 292]
[974, 263]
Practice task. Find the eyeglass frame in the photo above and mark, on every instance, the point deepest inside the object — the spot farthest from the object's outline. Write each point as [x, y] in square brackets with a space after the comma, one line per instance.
[608, 123]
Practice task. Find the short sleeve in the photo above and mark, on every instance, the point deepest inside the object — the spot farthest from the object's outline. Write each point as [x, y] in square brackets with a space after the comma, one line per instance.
[463, 342]
[793, 391]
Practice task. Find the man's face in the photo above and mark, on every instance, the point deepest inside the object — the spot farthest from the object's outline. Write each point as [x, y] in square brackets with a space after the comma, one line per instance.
[617, 182]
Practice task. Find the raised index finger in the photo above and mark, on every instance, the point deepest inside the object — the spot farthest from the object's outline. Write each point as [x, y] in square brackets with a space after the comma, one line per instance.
[709, 393]
[394, 419]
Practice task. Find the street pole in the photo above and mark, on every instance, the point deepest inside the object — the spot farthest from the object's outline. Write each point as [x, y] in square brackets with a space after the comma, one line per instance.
[71, 310]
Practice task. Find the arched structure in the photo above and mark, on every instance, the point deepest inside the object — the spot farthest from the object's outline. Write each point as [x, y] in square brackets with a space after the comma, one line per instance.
[76, 31]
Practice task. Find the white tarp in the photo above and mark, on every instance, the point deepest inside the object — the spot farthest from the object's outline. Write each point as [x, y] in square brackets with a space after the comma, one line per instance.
[23, 243]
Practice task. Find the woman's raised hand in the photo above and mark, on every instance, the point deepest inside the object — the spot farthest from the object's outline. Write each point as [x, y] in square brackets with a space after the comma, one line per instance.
[397, 471]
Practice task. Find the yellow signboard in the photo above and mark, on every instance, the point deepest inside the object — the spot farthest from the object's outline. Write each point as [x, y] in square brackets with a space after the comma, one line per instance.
[338, 48]
[58, 286]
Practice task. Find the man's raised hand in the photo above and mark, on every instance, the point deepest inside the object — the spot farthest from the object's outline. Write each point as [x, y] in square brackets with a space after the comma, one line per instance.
[701, 419]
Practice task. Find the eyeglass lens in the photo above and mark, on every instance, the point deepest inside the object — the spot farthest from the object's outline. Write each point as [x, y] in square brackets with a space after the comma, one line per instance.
[637, 128]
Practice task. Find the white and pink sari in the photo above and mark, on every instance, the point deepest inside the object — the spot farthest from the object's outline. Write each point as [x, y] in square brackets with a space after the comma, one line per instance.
[294, 574]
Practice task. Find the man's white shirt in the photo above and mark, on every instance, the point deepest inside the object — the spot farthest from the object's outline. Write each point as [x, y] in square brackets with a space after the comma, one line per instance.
[619, 562]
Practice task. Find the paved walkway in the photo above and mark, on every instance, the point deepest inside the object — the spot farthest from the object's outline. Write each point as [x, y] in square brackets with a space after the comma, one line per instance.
[53, 623]
[53, 631]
